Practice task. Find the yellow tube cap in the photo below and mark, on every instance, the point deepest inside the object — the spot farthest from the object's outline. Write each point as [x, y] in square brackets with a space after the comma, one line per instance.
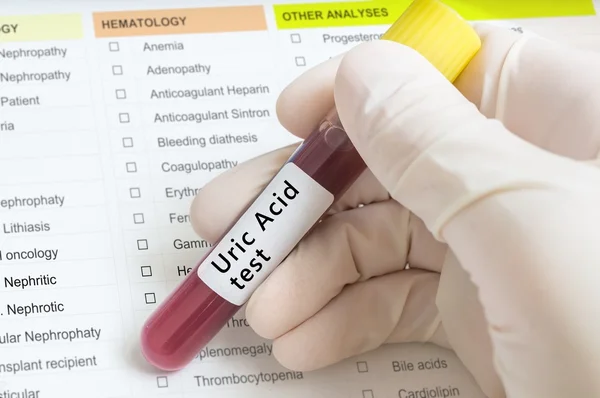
[439, 34]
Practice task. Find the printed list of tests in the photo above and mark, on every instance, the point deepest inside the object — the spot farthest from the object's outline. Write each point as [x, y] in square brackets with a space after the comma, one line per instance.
[110, 124]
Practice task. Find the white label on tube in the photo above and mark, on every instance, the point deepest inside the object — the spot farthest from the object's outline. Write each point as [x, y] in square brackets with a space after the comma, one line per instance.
[265, 234]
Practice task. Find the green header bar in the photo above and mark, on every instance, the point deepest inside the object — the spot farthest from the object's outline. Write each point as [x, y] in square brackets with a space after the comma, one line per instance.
[385, 12]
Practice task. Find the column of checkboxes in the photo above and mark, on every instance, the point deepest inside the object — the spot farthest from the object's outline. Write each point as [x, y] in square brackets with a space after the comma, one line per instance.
[127, 141]
[117, 70]
[295, 38]
[121, 93]
[129, 166]
[146, 270]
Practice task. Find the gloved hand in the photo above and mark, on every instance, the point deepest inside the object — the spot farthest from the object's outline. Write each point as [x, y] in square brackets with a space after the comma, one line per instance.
[497, 220]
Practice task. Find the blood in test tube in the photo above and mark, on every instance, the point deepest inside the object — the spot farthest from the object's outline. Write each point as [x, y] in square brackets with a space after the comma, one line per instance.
[193, 314]
[316, 176]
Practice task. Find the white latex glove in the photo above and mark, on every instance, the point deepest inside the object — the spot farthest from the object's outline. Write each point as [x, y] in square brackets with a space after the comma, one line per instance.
[498, 222]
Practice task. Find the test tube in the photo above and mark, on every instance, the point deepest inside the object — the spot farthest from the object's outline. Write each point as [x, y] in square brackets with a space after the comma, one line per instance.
[316, 175]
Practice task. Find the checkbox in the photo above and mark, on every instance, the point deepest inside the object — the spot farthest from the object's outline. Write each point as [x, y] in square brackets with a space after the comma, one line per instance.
[121, 94]
[368, 394]
[117, 70]
[150, 298]
[295, 38]
[142, 244]
[124, 117]
[162, 382]
[138, 218]
[135, 193]
[146, 271]
[362, 367]
[300, 61]
[131, 167]
[113, 46]
[127, 142]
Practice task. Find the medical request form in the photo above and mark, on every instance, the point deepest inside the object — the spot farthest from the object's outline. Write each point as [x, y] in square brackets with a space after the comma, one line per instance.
[113, 115]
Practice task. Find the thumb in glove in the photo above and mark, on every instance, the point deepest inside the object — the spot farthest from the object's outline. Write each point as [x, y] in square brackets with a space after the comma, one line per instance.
[512, 213]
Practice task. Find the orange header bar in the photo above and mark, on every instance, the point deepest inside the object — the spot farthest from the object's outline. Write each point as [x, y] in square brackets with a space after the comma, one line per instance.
[179, 21]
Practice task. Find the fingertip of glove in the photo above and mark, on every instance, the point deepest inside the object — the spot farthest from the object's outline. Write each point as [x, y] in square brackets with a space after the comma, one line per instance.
[304, 102]
[378, 58]
[217, 204]
[485, 29]
[377, 82]
[200, 217]
[373, 65]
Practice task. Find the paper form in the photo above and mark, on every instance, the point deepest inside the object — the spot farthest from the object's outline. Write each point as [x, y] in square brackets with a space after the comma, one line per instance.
[113, 115]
